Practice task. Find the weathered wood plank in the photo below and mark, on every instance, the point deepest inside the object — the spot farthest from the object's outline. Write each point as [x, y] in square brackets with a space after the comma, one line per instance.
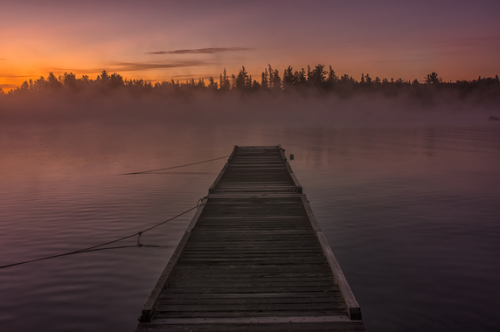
[253, 289]
[149, 307]
[242, 276]
[253, 258]
[217, 180]
[235, 149]
[250, 260]
[256, 313]
[263, 295]
[257, 324]
[257, 268]
[182, 283]
[249, 306]
[351, 302]
[235, 246]
[294, 179]
[250, 252]
[198, 326]
[285, 300]
[196, 217]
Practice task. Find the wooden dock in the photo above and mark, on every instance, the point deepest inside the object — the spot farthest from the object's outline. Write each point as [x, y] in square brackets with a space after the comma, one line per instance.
[253, 259]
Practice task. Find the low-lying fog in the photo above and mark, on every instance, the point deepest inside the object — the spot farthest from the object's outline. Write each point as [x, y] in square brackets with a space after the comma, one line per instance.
[298, 109]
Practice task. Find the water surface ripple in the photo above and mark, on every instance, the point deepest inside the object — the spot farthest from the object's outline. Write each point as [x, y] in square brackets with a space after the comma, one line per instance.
[412, 215]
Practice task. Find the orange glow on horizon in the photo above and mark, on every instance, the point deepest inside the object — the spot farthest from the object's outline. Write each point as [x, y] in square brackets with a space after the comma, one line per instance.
[396, 40]
[17, 73]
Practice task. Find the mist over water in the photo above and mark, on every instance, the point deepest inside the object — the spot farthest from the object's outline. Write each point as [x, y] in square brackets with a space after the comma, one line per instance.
[406, 193]
[302, 108]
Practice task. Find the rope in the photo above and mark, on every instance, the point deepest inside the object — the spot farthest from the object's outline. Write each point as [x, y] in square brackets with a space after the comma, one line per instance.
[162, 169]
[138, 234]
[199, 162]
[97, 246]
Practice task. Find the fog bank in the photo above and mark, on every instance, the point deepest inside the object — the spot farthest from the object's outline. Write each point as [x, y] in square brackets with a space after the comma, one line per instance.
[205, 107]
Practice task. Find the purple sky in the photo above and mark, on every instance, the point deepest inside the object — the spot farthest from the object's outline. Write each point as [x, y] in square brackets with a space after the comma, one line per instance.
[160, 40]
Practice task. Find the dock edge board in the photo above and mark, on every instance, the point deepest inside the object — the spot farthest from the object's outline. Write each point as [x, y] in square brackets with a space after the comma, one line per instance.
[353, 308]
[148, 309]
[296, 183]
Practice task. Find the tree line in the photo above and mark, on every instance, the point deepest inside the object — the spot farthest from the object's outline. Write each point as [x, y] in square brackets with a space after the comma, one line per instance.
[319, 78]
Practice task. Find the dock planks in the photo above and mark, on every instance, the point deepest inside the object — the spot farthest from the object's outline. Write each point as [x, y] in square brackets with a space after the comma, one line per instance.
[253, 259]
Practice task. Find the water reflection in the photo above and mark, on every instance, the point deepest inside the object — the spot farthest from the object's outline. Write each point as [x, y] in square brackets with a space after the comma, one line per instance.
[411, 214]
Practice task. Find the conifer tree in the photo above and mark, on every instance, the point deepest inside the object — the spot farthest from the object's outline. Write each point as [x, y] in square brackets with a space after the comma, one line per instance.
[115, 80]
[289, 78]
[265, 81]
[301, 77]
[270, 77]
[212, 84]
[53, 82]
[331, 79]
[242, 79]
[433, 78]
[224, 81]
[276, 81]
[317, 76]
[233, 81]
[368, 79]
[69, 81]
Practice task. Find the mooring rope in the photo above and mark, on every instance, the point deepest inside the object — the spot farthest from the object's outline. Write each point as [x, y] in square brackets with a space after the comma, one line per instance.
[138, 234]
[97, 246]
[196, 163]
[163, 169]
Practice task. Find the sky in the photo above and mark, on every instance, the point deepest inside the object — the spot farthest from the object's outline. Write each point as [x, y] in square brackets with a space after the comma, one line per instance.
[164, 40]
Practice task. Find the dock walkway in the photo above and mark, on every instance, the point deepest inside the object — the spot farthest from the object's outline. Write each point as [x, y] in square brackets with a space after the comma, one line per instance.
[253, 259]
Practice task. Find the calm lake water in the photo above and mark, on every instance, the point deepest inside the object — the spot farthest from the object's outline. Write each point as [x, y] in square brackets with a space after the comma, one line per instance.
[412, 214]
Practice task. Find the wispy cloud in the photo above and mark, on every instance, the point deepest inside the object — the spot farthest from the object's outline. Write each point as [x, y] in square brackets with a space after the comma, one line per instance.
[132, 66]
[210, 50]
[8, 86]
[398, 60]
[466, 41]
[15, 76]
[2, 59]
[74, 70]
[135, 66]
